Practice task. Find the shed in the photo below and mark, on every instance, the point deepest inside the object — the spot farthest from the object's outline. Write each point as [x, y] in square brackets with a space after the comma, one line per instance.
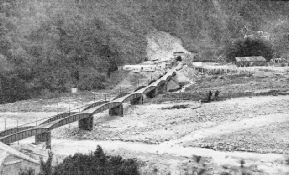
[197, 64]
[140, 68]
[149, 68]
[161, 65]
[134, 68]
[251, 61]
[148, 63]
[181, 54]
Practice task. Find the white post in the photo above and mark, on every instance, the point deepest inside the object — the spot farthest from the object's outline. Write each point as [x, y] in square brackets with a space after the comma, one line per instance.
[17, 131]
[69, 113]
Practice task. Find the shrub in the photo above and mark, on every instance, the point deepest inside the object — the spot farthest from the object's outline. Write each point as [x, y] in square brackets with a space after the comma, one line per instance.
[96, 163]
[29, 171]
[249, 47]
[46, 167]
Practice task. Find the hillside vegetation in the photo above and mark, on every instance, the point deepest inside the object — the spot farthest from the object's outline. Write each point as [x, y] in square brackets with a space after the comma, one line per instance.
[49, 46]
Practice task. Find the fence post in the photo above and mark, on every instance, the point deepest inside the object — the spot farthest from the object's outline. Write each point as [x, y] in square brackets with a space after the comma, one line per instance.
[69, 113]
[17, 130]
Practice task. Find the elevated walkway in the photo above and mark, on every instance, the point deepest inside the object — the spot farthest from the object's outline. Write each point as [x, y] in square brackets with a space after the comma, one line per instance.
[42, 132]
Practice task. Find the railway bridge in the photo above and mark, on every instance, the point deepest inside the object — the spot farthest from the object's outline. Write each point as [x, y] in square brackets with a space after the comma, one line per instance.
[42, 132]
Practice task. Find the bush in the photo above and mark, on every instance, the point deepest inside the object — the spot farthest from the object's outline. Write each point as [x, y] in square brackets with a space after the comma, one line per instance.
[46, 167]
[97, 163]
[249, 47]
[29, 171]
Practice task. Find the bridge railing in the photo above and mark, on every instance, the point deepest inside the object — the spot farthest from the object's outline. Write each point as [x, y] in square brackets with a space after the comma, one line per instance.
[21, 132]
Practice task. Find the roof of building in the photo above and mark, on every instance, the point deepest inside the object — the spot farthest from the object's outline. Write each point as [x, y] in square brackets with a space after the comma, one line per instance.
[139, 66]
[147, 63]
[250, 59]
[6, 150]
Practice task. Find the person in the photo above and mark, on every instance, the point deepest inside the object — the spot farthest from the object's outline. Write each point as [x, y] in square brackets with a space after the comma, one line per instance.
[179, 58]
[209, 96]
[216, 95]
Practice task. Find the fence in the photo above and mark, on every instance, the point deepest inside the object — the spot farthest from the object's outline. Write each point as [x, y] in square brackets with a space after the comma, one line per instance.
[240, 70]
[9, 123]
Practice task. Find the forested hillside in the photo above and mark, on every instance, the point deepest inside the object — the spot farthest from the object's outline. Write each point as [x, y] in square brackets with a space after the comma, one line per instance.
[50, 46]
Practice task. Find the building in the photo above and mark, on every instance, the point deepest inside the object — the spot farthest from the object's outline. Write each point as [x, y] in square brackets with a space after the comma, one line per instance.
[140, 68]
[149, 68]
[134, 68]
[161, 65]
[181, 54]
[13, 161]
[250, 61]
[278, 60]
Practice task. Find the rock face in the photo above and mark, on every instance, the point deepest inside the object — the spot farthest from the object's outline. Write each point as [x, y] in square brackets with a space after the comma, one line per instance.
[161, 45]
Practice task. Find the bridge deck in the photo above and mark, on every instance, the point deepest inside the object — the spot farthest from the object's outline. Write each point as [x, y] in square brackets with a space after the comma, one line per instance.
[66, 118]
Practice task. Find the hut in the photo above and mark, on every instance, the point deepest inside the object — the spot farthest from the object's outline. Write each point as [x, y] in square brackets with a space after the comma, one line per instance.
[134, 68]
[250, 61]
[149, 68]
[140, 68]
[177, 54]
[161, 65]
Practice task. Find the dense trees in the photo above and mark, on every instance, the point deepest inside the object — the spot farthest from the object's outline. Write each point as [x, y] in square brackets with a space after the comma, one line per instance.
[52, 45]
[280, 38]
[96, 163]
[249, 47]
